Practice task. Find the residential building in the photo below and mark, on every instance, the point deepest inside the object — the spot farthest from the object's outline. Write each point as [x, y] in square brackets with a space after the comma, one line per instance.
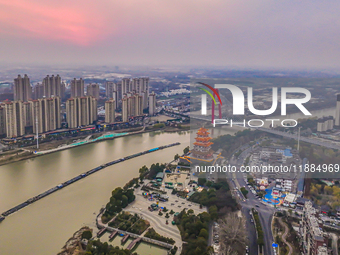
[53, 86]
[311, 230]
[325, 124]
[81, 111]
[77, 88]
[46, 114]
[110, 87]
[337, 111]
[22, 89]
[15, 119]
[2, 120]
[110, 107]
[93, 90]
[38, 91]
[152, 103]
[125, 109]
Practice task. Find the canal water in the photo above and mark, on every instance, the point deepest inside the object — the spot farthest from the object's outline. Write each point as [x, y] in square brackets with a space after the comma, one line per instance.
[43, 227]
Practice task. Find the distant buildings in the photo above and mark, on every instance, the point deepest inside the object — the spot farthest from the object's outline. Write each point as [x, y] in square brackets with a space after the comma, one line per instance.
[152, 103]
[128, 86]
[313, 238]
[77, 88]
[39, 110]
[93, 90]
[325, 124]
[81, 111]
[22, 89]
[110, 107]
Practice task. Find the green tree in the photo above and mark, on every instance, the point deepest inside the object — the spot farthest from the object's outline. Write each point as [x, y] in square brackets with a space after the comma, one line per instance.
[176, 157]
[204, 233]
[213, 212]
[186, 150]
[87, 234]
[244, 192]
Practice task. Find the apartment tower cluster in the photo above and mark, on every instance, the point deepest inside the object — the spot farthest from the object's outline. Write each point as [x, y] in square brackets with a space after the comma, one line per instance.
[131, 95]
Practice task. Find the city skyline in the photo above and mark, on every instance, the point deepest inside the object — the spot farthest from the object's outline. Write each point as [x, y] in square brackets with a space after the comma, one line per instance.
[262, 34]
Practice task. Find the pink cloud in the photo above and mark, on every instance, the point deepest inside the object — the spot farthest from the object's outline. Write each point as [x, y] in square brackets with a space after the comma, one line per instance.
[59, 21]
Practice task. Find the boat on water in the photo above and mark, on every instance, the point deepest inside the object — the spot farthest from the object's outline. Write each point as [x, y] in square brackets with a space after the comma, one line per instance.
[1, 218]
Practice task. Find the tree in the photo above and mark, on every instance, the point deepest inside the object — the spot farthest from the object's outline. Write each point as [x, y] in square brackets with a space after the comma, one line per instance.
[244, 192]
[213, 212]
[87, 234]
[201, 181]
[176, 157]
[186, 150]
[204, 233]
[233, 235]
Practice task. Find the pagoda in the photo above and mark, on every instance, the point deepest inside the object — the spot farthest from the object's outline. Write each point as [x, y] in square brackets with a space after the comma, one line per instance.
[202, 146]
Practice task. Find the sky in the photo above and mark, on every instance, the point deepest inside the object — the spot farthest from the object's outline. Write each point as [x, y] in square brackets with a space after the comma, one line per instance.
[238, 33]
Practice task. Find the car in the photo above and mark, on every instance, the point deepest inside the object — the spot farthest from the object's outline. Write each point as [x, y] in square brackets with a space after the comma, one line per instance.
[189, 205]
[176, 200]
[247, 249]
[183, 203]
[257, 206]
[251, 220]
[172, 204]
[179, 206]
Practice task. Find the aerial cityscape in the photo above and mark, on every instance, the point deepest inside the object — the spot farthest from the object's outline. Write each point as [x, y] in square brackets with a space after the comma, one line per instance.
[169, 127]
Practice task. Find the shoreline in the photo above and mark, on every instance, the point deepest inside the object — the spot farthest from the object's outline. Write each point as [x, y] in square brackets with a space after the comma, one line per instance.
[35, 155]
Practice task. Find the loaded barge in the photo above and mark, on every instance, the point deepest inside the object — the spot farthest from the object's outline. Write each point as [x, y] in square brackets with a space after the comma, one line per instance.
[77, 178]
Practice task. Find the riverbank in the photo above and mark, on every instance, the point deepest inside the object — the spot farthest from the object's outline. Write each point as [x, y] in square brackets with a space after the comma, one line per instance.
[55, 146]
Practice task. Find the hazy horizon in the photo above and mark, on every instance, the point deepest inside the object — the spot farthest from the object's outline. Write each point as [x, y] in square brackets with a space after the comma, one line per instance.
[236, 34]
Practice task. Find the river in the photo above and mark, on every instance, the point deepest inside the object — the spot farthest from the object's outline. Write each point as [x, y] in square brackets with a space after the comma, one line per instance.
[43, 227]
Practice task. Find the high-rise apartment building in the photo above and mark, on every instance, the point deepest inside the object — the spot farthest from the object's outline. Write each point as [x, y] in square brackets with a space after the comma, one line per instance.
[2, 120]
[125, 86]
[152, 103]
[45, 111]
[81, 111]
[93, 90]
[77, 88]
[110, 87]
[115, 98]
[38, 91]
[119, 91]
[52, 86]
[110, 107]
[337, 111]
[125, 117]
[15, 119]
[22, 89]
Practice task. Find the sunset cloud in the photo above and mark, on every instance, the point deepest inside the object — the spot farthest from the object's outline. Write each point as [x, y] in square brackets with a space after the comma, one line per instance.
[199, 32]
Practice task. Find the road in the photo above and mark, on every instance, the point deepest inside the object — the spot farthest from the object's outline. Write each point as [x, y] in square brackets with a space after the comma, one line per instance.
[265, 211]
